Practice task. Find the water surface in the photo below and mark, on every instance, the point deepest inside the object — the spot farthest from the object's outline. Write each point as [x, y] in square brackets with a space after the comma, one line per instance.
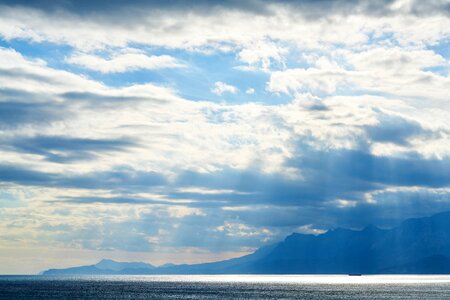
[225, 287]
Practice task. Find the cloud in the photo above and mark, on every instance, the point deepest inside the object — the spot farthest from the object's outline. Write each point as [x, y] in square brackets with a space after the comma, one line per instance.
[108, 200]
[309, 8]
[359, 166]
[276, 189]
[250, 91]
[64, 149]
[125, 178]
[24, 176]
[350, 124]
[396, 130]
[400, 72]
[176, 149]
[14, 114]
[221, 87]
[392, 71]
[213, 26]
[292, 81]
[341, 174]
[116, 7]
[124, 62]
[263, 54]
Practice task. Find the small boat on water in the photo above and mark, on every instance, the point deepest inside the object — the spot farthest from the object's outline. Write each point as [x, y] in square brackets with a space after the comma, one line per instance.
[354, 274]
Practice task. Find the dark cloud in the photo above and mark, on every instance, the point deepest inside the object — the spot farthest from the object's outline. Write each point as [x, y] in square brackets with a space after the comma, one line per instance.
[388, 210]
[326, 177]
[117, 179]
[277, 189]
[317, 107]
[15, 95]
[96, 98]
[95, 101]
[420, 7]
[397, 130]
[15, 114]
[356, 165]
[23, 176]
[314, 9]
[105, 10]
[86, 7]
[273, 201]
[66, 149]
[19, 73]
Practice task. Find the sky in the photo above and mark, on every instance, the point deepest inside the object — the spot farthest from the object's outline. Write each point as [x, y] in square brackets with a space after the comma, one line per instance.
[194, 131]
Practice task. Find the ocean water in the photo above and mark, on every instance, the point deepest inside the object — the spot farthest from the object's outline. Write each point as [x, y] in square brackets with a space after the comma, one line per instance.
[226, 287]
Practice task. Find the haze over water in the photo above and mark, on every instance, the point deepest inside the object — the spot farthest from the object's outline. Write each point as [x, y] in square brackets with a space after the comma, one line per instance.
[226, 287]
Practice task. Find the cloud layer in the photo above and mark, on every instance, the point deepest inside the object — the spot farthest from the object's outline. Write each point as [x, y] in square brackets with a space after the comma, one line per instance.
[192, 131]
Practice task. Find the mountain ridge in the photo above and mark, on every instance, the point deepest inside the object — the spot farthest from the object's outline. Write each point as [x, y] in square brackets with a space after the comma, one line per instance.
[419, 246]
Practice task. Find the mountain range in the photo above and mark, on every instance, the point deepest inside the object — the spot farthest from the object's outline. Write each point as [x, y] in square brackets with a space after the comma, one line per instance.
[416, 246]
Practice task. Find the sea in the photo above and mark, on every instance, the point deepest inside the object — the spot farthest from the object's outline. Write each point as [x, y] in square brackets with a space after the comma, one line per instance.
[226, 287]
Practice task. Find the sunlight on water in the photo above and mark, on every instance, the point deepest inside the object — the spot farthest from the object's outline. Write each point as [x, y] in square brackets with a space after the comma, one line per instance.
[311, 279]
[285, 279]
[226, 287]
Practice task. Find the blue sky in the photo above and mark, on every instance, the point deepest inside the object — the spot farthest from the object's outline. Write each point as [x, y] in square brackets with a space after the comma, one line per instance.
[196, 131]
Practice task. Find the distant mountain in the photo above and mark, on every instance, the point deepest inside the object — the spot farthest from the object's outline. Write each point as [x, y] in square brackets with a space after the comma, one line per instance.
[417, 246]
[104, 267]
[404, 249]
[108, 264]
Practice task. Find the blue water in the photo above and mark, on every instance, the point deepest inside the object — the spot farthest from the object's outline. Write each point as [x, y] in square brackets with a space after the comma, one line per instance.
[225, 287]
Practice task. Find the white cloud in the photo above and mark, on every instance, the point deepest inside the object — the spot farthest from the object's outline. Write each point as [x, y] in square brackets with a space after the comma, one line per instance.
[34, 76]
[292, 81]
[222, 87]
[242, 230]
[263, 54]
[222, 31]
[124, 62]
[309, 229]
[393, 71]
[250, 91]
[399, 72]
